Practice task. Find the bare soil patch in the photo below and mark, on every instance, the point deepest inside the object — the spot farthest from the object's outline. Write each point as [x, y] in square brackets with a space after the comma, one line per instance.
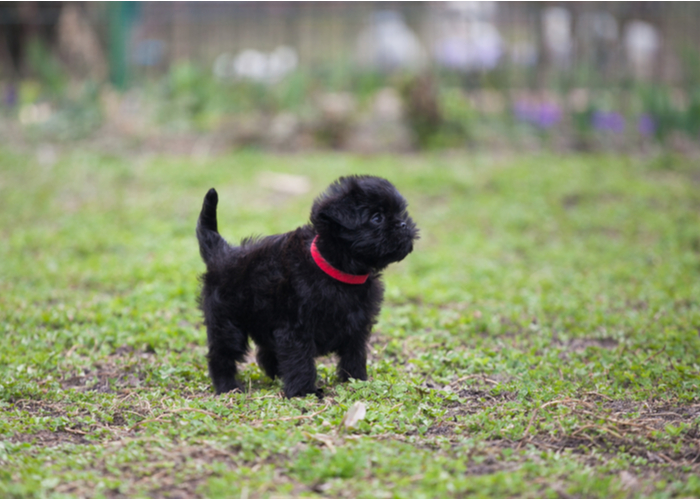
[49, 438]
[613, 426]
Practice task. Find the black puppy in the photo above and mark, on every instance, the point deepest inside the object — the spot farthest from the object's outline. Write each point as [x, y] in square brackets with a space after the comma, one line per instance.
[306, 293]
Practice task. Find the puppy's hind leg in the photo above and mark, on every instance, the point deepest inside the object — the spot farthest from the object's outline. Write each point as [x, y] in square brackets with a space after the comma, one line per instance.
[228, 345]
[296, 365]
[267, 360]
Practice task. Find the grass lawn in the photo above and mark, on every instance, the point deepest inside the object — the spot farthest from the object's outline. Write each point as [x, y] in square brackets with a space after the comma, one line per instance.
[542, 340]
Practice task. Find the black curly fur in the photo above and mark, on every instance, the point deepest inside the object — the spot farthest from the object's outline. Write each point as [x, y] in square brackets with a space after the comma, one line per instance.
[270, 289]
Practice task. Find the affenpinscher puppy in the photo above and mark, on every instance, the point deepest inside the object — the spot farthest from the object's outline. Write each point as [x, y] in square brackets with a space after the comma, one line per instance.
[310, 292]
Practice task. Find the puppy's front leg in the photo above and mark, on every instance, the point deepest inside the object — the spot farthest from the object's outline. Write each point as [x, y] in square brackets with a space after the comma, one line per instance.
[296, 365]
[227, 346]
[353, 361]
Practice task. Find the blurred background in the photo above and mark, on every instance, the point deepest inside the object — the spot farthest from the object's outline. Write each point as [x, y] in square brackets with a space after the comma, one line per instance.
[197, 78]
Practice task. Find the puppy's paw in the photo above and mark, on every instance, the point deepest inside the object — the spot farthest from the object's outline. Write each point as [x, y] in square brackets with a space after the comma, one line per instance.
[231, 385]
[292, 392]
[358, 372]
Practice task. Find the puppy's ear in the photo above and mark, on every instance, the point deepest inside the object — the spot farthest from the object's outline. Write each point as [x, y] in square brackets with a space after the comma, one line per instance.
[342, 212]
[338, 209]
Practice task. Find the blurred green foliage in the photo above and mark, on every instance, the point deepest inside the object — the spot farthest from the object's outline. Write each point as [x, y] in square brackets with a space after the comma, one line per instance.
[437, 105]
[46, 68]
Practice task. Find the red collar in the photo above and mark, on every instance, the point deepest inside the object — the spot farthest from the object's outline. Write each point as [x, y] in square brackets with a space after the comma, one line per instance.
[352, 279]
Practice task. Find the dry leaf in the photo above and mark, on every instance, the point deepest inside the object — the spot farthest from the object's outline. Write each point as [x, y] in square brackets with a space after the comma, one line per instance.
[356, 413]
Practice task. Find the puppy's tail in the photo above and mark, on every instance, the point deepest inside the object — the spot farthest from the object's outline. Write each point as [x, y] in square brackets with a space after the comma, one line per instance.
[210, 241]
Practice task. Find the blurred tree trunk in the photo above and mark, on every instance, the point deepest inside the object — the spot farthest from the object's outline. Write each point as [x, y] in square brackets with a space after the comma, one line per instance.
[79, 46]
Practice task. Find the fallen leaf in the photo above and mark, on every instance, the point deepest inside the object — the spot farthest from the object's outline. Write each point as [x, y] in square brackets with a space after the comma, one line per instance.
[356, 413]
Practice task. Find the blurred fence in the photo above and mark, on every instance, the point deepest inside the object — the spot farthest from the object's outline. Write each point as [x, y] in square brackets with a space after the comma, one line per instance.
[592, 43]
[422, 74]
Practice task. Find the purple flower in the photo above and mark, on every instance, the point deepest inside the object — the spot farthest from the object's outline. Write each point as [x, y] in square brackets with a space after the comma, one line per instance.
[10, 97]
[608, 122]
[543, 115]
[549, 114]
[646, 125]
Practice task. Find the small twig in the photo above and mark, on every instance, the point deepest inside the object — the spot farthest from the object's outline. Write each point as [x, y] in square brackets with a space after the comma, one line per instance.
[326, 440]
[620, 422]
[597, 427]
[74, 431]
[170, 412]
[462, 379]
[600, 395]
[143, 422]
[298, 417]
[667, 458]
[546, 445]
[697, 455]
[665, 413]
[71, 350]
[654, 355]
[542, 407]
[479, 376]
[134, 413]
[561, 427]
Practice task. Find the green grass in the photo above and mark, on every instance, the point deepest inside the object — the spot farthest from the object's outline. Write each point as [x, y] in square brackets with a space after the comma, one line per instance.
[542, 340]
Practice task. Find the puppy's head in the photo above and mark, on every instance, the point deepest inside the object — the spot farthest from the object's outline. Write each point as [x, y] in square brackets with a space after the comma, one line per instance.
[366, 218]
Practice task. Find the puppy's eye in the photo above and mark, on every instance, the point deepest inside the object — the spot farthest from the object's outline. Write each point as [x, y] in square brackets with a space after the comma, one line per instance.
[377, 218]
